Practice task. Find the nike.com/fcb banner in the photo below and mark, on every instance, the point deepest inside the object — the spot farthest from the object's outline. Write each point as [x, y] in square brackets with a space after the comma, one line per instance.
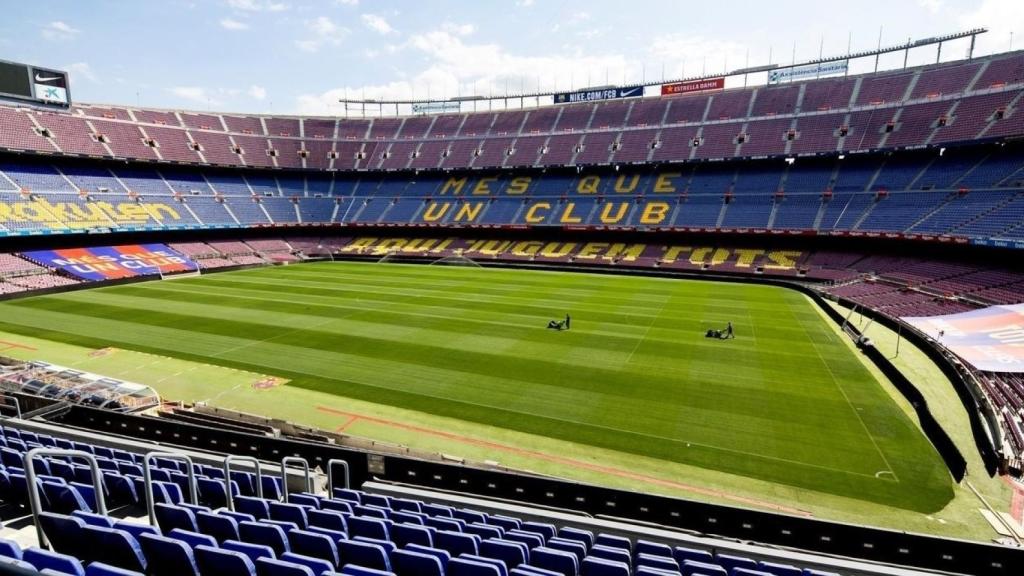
[110, 262]
[600, 94]
[990, 339]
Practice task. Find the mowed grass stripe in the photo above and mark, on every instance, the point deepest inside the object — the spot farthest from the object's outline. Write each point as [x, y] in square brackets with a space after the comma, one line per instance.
[470, 343]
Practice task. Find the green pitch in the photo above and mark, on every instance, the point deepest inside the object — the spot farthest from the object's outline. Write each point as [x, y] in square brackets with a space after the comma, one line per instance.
[786, 402]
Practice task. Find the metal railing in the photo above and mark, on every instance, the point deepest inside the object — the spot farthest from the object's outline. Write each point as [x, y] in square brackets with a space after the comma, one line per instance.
[330, 474]
[227, 477]
[147, 480]
[284, 474]
[33, 487]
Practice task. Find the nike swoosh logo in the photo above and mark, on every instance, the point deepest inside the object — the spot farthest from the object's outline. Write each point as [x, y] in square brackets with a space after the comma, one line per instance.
[46, 78]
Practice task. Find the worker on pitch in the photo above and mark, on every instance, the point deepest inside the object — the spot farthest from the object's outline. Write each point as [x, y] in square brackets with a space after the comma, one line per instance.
[563, 325]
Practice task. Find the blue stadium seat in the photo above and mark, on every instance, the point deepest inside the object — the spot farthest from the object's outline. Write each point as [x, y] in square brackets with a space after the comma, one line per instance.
[253, 551]
[169, 517]
[511, 553]
[218, 526]
[134, 529]
[506, 522]
[613, 541]
[682, 553]
[342, 506]
[564, 563]
[404, 534]
[112, 546]
[548, 530]
[457, 542]
[593, 566]
[63, 532]
[55, 561]
[466, 567]
[257, 507]
[412, 563]
[191, 538]
[655, 561]
[469, 516]
[532, 540]
[749, 572]
[327, 519]
[317, 565]
[92, 519]
[101, 569]
[360, 571]
[363, 554]
[408, 517]
[584, 536]
[315, 545]
[779, 569]
[705, 568]
[265, 534]
[289, 513]
[309, 500]
[369, 527]
[269, 567]
[730, 561]
[502, 568]
[168, 556]
[442, 555]
[614, 554]
[10, 549]
[220, 562]
[652, 548]
[574, 547]
[485, 530]
[449, 524]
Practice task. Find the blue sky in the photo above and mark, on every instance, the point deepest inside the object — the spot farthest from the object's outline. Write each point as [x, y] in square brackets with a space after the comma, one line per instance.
[300, 56]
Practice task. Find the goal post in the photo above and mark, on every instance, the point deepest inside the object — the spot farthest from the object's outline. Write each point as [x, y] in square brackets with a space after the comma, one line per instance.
[456, 260]
[162, 274]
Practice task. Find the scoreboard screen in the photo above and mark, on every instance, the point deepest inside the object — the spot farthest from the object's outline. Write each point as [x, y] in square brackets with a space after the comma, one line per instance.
[31, 83]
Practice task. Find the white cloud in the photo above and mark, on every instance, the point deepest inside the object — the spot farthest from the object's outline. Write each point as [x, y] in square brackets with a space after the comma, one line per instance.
[59, 30]
[457, 67]
[458, 29]
[82, 70]
[229, 24]
[377, 23]
[697, 54]
[347, 2]
[257, 92]
[1001, 17]
[194, 94]
[932, 6]
[524, 3]
[322, 31]
[258, 5]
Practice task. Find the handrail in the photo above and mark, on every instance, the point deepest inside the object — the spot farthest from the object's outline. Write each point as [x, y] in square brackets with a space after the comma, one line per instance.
[330, 474]
[227, 477]
[17, 405]
[284, 475]
[147, 480]
[33, 488]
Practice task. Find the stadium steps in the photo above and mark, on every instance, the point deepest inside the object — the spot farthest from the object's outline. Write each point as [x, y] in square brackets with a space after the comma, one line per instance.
[721, 215]
[884, 140]
[230, 213]
[992, 121]
[966, 173]
[977, 75]
[867, 212]
[921, 172]
[985, 214]
[771, 217]
[949, 198]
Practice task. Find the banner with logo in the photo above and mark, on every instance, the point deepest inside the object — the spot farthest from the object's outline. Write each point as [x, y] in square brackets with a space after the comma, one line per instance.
[110, 262]
[50, 86]
[599, 94]
[809, 71]
[990, 339]
[436, 107]
[688, 87]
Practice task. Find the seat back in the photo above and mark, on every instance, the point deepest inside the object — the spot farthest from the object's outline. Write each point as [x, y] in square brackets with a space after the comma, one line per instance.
[511, 553]
[314, 544]
[289, 513]
[363, 554]
[593, 566]
[252, 551]
[46, 560]
[63, 532]
[193, 539]
[405, 534]
[466, 567]
[112, 546]
[223, 562]
[168, 556]
[220, 527]
[413, 563]
[327, 519]
[317, 565]
[564, 563]
[268, 567]
[169, 517]
[457, 542]
[266, 534]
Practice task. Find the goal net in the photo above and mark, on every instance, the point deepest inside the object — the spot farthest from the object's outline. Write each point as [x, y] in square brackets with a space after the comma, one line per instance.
[389, 256]
[456, 260]
[172, 275]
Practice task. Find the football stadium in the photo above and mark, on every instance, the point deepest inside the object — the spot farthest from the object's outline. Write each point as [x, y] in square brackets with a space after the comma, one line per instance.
[761, 321]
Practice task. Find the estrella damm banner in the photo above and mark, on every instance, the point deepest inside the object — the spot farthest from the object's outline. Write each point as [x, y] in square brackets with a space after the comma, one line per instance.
[991, 339]
[111, 262]
[82, 215]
